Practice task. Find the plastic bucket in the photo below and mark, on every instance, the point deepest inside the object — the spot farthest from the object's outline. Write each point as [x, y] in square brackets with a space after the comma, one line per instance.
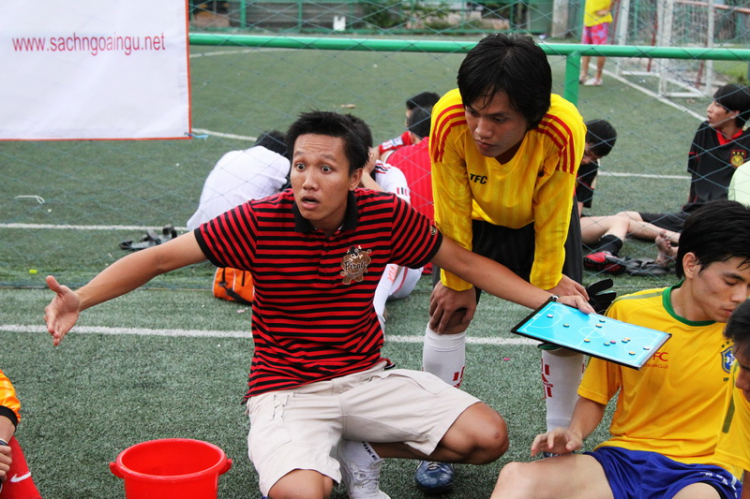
[171, 468]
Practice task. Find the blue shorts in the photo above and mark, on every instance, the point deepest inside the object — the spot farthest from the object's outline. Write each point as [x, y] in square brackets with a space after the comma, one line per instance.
[649, 475]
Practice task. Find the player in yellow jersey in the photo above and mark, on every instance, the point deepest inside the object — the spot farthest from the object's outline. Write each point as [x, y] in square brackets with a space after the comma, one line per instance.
[505, 152]
[665, 428]
[733, 448]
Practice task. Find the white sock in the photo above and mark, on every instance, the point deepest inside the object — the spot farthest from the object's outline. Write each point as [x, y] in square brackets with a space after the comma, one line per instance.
[561, 375]
[360, 452]
[444, 355]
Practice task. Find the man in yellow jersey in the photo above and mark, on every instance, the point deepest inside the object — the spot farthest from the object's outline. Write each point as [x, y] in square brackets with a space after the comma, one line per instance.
[665, 428]
[504, 153]
[734, 440]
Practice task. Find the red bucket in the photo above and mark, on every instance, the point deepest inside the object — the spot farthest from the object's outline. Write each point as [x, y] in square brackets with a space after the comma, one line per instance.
[171, 468]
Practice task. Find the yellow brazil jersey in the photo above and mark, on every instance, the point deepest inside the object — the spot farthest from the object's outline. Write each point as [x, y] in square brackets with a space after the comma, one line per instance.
[537, 185]
[674, 404]
[8, 395]
[590, 17]
[733, 449]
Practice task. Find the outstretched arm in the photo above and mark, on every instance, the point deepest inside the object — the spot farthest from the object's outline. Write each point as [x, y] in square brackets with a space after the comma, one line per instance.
[496, 279]
[121, 277]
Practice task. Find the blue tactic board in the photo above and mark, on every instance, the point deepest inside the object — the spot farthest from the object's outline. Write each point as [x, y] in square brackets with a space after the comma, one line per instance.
[592, 334]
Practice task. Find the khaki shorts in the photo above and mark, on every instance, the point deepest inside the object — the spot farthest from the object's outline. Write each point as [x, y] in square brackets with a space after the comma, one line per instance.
[300, 428]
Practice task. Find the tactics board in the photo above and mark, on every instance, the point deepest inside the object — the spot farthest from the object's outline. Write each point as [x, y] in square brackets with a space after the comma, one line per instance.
[592, 334]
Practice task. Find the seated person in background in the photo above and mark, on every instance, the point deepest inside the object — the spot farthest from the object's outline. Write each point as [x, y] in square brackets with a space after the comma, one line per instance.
[739, 186]
[240, 176]
[734, 440]
[719, 147]
[397, 281]
[423, 100]
[665, 428]
[414, 161]
[318, 381]
[15, 477]
[605, 235]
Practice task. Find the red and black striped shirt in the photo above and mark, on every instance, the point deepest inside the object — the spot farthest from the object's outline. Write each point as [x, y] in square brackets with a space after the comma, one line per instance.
[313, 317]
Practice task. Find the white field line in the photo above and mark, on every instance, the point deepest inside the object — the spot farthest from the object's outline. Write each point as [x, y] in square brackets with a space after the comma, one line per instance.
[203, 131]
[83, 227]
[193, 333]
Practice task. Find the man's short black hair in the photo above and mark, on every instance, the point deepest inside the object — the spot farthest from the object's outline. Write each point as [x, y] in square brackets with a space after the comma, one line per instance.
[735, 97]
[513, 64]
[602, 137]
[418, 122]
[424, 100]
[738, 328]
[273, 140]
[332, 125]
[715, 232]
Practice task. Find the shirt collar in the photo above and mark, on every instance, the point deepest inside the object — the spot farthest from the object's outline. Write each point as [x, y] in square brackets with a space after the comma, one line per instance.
[351, 216]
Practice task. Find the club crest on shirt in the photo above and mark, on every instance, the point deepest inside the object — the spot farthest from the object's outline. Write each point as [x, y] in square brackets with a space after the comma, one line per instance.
[727, 359]
[739, 156]
[354, 264]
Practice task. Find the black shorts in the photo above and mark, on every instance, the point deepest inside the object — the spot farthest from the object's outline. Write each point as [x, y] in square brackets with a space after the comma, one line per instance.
[514, 248]
[668, 221]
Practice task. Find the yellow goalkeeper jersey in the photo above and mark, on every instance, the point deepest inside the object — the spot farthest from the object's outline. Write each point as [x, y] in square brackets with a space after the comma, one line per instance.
[674, 404]
[537, 185]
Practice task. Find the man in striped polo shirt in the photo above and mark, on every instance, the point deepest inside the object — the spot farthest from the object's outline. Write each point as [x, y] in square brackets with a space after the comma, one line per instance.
[318, 386]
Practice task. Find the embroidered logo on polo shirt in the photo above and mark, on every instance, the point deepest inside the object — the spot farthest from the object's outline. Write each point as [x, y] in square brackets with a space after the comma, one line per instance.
[354, 264]
[739, 156]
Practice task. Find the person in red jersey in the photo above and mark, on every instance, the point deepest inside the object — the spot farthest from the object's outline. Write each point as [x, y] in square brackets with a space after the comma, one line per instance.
[323, 407]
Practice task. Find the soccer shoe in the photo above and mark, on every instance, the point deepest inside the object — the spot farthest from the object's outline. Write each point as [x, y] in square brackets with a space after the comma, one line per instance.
[433, 477]
[604, 261]
[360, 470]
[592, 82]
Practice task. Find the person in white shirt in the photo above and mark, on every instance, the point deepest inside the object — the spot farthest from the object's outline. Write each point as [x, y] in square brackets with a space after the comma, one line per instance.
[240, 176]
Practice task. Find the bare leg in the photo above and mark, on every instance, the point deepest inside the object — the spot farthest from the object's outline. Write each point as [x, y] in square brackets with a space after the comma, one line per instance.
[593, 228]
[584, 68]
[697, 491]
[478, 436]
[600, 67]
[302, 484]
[571, 476]
[644, 230]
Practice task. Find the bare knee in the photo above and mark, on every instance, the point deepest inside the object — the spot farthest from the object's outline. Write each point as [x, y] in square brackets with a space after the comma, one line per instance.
[631, 215]
[514, 481]
[302, 484]
[489, 435]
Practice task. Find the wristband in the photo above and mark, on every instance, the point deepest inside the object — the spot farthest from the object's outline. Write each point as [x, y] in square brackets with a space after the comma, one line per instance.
[555, 298]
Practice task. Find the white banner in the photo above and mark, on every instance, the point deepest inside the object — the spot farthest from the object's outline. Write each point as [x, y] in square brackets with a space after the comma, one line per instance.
[94, 69]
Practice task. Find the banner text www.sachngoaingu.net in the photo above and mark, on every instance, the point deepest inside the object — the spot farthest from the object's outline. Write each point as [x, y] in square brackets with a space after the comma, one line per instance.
[91, 44]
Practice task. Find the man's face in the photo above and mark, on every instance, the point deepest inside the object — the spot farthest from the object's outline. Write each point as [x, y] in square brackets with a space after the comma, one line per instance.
[589, 156]
[495, 126]
[718, 288]
[719, 116]
[321, 181]
[743, 374]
